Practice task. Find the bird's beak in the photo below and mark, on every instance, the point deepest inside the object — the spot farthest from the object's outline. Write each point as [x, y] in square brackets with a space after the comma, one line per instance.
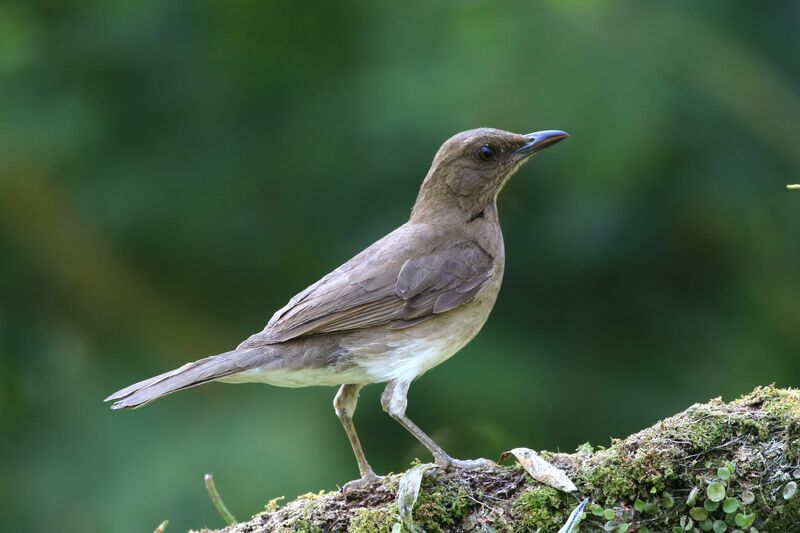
[540, 140]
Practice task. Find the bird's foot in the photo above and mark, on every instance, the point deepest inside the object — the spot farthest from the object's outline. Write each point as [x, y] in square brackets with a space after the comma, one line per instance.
[365, 482]
[448, 463]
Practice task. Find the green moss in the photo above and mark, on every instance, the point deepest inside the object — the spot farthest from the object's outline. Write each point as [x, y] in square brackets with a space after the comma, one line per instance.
[273, 504]
[313, 495]
[542, 507]
[303, 525]
[610, 478]
[442, 506]
[376, 520]
[783, 403]
[621, 473]
[705, 433]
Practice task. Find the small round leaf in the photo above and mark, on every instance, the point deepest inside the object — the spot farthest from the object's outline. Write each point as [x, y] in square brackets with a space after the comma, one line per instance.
[730, 505]
[720, 526]
[723, 473]
[710, 506]
[716, 491]
[698, 513]
[789, 490]
[748, 497]
[744, 520]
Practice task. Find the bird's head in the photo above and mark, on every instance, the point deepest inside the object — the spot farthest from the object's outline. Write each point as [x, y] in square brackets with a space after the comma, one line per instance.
[471, 167]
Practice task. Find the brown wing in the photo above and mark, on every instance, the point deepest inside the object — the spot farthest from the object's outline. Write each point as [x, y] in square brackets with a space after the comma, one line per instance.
[374, 288]
[440, 281]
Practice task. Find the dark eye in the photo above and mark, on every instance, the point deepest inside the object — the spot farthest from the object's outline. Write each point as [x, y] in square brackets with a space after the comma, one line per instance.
[486, 153]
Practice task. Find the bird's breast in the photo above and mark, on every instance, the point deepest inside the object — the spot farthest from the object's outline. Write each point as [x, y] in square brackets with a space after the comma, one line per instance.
[408, 353]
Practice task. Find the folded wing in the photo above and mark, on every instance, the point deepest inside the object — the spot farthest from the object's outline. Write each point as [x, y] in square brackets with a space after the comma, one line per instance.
[397, 290]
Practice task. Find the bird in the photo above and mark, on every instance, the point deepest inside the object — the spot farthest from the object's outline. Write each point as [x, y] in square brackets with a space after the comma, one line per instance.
[402, 306]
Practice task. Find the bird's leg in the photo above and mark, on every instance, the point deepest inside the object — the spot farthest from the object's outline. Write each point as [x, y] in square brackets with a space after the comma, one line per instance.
[394, 402]
[345, 405]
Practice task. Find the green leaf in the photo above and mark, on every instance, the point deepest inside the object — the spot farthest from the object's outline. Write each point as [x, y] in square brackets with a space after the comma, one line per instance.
[716, 491]
[622, 528]
[610, 526]
[668, 500]
[710, 506]
[692, 497]
[731, 467]
[642, 530]
[698, 513]
[707, 524]
[608, 514]
[397, 528]
[638, 505]
[720, 526]
[748, 497]
[596, 509]
[723, 473]
[730, 505]
[677, 529]
[745, 520]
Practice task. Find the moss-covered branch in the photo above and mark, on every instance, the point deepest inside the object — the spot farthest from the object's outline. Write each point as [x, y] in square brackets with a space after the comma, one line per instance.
[714, 467]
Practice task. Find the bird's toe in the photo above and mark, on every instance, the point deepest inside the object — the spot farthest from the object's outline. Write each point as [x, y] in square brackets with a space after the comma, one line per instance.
[468, 464]
[362, 483]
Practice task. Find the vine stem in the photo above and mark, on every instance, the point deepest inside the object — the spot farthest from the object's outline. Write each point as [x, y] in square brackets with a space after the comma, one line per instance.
[217, 500]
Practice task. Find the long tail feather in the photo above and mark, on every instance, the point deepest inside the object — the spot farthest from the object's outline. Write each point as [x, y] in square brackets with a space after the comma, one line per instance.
[189, 375]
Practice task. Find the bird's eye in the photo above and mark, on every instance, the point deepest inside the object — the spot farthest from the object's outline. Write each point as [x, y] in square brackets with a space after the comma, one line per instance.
[486, 153]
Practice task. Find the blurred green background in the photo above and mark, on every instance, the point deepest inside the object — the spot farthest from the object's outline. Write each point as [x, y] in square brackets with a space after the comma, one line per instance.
[172, 172]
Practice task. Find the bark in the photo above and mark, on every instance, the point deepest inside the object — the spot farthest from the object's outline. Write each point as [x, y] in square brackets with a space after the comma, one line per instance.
[713, 467]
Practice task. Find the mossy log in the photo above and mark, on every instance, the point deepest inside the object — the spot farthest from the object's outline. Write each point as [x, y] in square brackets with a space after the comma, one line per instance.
[714, 467]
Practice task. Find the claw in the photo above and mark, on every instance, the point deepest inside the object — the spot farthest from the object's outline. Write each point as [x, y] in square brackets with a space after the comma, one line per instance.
[468, 464]
[364, 482]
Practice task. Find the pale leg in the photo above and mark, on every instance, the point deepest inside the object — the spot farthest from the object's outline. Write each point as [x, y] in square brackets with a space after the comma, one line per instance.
[394, 402]
[345, 404]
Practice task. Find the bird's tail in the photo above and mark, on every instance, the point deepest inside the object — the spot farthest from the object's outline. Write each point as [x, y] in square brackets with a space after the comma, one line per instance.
[189, 375]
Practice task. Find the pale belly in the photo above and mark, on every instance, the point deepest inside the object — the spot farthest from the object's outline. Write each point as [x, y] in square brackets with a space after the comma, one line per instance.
[380, 355]
[410, 353]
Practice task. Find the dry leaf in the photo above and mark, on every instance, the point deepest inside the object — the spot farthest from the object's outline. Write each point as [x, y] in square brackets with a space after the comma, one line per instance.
[541, 470]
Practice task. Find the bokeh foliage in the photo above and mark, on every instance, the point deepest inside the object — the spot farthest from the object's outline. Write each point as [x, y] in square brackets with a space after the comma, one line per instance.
[172, 172]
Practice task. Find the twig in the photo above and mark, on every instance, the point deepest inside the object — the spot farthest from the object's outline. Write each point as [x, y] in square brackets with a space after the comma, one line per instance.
[161, 527]
[217, 501]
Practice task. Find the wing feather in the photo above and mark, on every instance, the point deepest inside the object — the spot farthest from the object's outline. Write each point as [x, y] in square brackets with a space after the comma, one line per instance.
[397, 291]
